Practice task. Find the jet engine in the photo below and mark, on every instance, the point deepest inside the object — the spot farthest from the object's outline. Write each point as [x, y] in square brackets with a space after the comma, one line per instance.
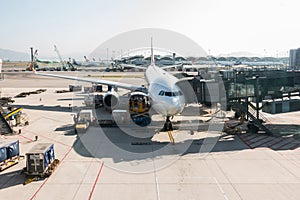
[111, 100]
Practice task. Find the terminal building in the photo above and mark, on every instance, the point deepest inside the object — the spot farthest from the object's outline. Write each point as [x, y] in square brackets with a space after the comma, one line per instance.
[295, 59]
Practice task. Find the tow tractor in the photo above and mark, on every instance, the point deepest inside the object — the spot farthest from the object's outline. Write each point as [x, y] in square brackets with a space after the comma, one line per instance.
[84, 119]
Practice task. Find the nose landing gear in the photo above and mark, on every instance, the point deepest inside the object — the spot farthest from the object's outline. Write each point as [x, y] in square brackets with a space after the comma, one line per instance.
[168, 125]
[169, 128]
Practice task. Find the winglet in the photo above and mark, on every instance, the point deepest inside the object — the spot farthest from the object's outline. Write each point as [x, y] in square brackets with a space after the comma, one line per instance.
[152, 54]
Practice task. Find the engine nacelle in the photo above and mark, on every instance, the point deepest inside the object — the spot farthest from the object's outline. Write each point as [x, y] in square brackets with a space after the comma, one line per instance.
[111, 100]
[139, 106]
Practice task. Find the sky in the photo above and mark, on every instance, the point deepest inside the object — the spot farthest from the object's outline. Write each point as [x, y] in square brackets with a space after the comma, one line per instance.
[265, 27]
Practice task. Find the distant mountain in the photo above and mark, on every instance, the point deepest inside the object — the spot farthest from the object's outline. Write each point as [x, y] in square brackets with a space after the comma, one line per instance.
[10, 55]
[240, 54]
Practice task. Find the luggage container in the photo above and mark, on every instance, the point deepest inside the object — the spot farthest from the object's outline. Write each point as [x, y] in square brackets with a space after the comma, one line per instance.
[88, 89]
[13, 149]
[9, 153]
[89, 100]
[98, 88]
[3, 154]
[39, 159]
[121, 117]
[75, 88]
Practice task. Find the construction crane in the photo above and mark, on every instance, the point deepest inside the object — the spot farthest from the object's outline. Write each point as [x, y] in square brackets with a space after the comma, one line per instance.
[62, 63]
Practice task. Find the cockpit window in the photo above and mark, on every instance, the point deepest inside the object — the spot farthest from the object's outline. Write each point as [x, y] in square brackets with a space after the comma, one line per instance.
[161, 93]
[170, 94]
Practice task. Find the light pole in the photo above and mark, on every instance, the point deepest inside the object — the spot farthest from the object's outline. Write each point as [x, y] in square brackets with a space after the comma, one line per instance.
[31, 53]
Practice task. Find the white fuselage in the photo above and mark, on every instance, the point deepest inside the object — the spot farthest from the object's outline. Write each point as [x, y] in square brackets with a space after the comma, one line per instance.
[166, 97]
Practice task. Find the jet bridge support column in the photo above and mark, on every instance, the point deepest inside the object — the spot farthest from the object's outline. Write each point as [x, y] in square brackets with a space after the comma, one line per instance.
[256, 91]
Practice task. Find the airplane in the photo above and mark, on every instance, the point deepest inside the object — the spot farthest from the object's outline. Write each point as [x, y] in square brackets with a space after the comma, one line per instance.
[35, 58]
[163, 94]
[107, 65]
[87, 62]
[58, 65]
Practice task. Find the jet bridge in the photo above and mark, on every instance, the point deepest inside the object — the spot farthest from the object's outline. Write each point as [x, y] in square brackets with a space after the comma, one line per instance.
[249, 92]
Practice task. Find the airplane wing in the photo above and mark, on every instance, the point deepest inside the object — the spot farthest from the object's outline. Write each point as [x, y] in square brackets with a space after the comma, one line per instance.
[95, 81]
[133, 66]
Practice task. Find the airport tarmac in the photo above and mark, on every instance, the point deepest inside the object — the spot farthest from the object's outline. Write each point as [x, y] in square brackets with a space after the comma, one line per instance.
[109, 163]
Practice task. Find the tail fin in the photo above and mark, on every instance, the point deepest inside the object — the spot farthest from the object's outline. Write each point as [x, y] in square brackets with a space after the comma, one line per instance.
[75, 62]
[86, 59]
[152, 54]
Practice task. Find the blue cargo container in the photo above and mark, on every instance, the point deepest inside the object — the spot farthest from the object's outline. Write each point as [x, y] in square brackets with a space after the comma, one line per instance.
[39, 158]
[9, 149]
[13, 149]
[3, 154]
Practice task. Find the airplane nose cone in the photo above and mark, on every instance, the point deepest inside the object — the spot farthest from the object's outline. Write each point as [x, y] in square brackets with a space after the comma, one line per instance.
[175, 106]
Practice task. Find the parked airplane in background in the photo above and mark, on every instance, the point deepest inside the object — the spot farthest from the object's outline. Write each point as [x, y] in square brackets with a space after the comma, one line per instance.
[52, 64]
[87, 62]
[36, 59]
[163, 93]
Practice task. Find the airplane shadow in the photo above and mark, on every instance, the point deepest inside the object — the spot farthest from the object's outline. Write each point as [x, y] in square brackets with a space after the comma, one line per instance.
[115, 144]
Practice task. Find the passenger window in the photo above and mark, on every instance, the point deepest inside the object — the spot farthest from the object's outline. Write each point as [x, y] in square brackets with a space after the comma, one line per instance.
[161, 93]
